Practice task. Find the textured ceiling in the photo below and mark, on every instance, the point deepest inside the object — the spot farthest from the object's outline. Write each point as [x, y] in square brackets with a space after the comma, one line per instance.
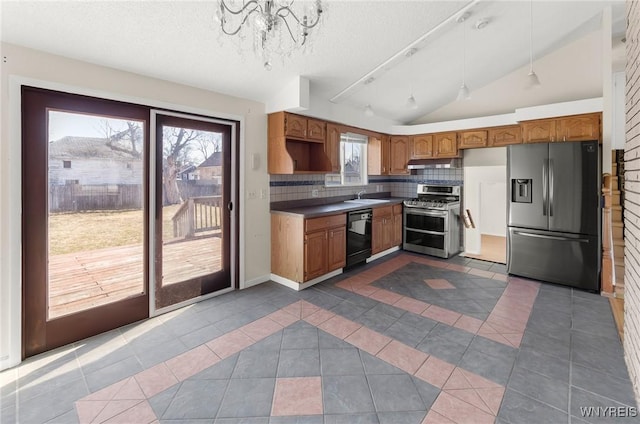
[179, 41]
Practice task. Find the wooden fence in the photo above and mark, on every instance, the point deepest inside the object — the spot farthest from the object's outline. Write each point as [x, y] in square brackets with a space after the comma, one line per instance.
[89, 197]
[80, 197]
[197, 215]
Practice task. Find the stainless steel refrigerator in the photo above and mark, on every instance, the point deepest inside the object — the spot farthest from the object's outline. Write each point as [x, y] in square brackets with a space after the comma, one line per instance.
[554, 213]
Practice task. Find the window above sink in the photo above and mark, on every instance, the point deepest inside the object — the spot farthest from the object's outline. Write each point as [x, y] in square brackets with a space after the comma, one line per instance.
[353, 162]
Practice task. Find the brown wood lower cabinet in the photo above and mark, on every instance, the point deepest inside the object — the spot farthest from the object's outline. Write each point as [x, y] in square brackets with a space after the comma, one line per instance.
[303, 249]
[386, 228]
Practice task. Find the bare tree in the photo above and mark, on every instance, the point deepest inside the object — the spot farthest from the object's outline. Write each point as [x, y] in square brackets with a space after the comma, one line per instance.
[208, 144]
[126, 140]
[176, 144]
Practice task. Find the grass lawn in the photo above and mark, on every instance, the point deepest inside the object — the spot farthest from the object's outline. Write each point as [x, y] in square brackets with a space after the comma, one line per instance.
[82, 231]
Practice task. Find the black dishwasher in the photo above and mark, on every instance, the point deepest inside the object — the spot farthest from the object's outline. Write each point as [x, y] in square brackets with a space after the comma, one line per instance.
[358, 236]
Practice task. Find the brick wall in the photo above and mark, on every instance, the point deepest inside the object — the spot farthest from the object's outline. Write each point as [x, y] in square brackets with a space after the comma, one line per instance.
[632, 197]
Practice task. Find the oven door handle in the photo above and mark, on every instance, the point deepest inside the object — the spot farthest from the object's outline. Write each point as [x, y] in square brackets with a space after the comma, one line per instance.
[437, 233]
[426, 213]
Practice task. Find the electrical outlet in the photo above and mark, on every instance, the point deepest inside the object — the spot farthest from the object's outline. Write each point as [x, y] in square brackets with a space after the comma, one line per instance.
[251, 194]
[263, 193]
[379, 188]
[314, 193]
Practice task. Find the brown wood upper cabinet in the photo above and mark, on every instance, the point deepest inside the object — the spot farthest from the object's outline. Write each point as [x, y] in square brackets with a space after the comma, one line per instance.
[297, 127]
[445, 145]
[504, 136]
[332, 146]
[579, 128]
[399, 153]
[297, 145]
[378, 155]
[422, 146]
[570, 128]
[472, 139]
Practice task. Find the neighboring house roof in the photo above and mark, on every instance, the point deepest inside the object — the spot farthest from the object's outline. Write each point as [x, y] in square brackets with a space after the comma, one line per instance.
[187, 168]
[87, 148]
[214, 160]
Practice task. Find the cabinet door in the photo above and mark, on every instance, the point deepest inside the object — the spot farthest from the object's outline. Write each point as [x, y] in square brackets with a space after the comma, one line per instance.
[386, 167]
[332, 147]
[504, 136]
[295, 126]
[422, 146]
[397, 230]
[399, 151]
[541, 131]
[378, 155]
[472, 139]
[337, 249]
[377, 235]
[579, 128]
[445, 145]
[316, 130]
[388, 228]
[315, 254]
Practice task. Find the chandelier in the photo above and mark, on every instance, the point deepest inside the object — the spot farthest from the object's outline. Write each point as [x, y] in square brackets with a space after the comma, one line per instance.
[274, 26]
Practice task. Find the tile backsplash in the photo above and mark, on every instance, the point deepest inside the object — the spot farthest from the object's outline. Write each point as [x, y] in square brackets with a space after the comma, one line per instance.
[296, 187]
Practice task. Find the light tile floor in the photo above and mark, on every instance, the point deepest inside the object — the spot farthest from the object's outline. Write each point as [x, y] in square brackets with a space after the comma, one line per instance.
[376, 345]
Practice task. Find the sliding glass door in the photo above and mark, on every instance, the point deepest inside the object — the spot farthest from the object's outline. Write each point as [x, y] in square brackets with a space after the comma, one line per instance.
[193, 208]
[105, 213]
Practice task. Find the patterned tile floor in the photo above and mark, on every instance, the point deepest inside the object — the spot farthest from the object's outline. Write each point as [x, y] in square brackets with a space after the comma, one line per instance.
[406, 339]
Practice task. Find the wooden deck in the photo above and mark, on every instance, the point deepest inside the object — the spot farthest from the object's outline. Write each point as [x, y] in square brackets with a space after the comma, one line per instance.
[82, 280]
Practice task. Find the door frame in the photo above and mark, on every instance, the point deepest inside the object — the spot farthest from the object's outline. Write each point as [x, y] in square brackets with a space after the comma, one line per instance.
[234, 232]
[11, 273]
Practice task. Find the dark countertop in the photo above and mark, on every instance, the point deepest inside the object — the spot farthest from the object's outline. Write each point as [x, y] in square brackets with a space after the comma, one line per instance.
[315, 211]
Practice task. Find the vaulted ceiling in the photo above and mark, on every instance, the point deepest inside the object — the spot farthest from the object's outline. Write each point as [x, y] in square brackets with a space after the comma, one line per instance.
[179, 41]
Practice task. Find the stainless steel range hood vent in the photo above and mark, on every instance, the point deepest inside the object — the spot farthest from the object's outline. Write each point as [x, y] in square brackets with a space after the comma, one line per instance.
[434, 163]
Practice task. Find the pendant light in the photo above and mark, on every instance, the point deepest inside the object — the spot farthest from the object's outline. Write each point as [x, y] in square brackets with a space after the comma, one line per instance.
[368, 111]
[463, 92]
[411, 101]
[532, 78]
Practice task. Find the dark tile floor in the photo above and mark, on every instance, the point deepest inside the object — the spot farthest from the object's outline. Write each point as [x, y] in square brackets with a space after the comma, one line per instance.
[400, 340]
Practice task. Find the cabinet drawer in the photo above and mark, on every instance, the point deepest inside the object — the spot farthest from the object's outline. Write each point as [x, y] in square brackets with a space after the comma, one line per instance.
[382, 211]
[324, 222]
[397, 209]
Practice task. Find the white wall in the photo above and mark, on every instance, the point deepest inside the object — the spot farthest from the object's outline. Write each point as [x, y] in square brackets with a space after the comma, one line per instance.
[485, 194]
[618, 133]
[57, 72]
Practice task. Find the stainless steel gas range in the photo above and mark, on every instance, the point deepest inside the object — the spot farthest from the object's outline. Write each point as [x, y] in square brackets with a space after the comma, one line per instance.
[431, 222]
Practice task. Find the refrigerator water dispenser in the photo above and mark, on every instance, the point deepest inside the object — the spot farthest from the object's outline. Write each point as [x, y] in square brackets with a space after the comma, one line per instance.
[521, 190]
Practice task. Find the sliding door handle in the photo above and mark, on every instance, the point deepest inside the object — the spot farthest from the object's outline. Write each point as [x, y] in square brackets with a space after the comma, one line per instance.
[230, 206]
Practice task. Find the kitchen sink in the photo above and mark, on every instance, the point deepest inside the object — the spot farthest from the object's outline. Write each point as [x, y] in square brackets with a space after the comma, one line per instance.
[366, 201]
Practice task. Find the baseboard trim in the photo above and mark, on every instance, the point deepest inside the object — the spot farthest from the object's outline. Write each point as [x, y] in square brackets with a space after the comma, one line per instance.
[383, 253]
[301, 286]
[255, 281]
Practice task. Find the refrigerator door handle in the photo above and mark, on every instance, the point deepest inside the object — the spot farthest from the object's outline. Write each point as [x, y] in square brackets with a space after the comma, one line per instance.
[550, 187]
[542, 236]
[545, 190]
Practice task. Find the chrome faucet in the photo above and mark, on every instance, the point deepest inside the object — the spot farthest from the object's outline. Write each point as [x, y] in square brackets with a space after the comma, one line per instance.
[360, 193]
